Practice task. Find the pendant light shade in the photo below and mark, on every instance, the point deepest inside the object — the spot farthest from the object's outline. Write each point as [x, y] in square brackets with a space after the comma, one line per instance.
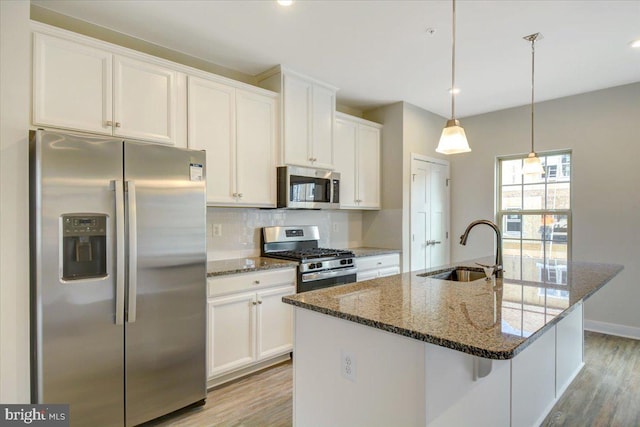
[532, 165]
[453, 139]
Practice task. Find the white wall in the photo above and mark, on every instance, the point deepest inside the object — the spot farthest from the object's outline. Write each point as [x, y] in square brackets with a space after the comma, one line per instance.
[407, 129]
[15, 63]
[602, 128]
[241, 229]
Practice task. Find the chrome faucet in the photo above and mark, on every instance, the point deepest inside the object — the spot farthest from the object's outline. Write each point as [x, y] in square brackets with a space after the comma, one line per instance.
[463, 241]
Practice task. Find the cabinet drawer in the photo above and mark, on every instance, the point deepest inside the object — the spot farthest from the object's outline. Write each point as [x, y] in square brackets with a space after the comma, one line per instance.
[378, 261]
[223, 285]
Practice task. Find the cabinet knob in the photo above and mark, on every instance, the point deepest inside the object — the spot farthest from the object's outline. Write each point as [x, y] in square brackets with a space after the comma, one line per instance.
[260, 302]
[257, 282]
[118, 124]
[109, 123]
[254, 303]
[235, 194]
[379, 262]
[239, 194]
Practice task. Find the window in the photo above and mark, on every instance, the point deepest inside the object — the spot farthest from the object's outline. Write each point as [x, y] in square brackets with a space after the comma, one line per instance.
[534, 214]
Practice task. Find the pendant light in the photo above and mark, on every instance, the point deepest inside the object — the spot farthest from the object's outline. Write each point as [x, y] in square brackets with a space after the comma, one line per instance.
[532, 165]
[453, 139]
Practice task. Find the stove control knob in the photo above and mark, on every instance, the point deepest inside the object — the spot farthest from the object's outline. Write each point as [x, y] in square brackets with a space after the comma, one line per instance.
[350, 261]
[311, 266]
[318, 265]
[343, 261]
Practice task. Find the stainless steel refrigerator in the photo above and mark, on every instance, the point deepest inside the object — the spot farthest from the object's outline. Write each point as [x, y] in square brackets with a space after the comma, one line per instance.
[118, 277]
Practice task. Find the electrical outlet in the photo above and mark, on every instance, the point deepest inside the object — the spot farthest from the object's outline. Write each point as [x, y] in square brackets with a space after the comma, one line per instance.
[217, 230]
[209, 230]
[348, 366]
[335, 227]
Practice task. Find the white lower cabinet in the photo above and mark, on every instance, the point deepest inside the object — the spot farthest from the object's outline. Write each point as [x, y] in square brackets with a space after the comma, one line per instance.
[248, 323]
[372, 267]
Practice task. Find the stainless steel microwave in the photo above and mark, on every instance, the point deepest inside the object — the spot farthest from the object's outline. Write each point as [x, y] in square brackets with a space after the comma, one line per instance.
[308, 188]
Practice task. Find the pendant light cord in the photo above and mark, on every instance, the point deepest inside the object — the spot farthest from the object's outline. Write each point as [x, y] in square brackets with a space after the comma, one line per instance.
[453, 64]
[533, 62]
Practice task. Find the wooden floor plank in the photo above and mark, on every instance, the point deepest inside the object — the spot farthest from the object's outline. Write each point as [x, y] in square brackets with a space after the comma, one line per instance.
[605, 393]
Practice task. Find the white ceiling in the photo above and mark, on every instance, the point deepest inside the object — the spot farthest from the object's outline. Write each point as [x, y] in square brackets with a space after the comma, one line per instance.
[379, 52]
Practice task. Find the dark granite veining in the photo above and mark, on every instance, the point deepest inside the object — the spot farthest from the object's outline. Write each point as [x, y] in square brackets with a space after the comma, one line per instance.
[494, 319]
[369, 251]
[245, 265]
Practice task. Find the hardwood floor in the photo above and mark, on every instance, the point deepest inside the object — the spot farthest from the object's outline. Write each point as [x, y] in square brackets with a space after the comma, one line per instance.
[605, 393]
[259, 400]
[607, 390]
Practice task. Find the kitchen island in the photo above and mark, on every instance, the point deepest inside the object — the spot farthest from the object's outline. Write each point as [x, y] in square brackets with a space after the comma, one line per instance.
[419, 351]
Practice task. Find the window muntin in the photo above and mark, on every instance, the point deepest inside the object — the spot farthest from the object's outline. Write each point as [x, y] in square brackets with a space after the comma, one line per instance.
[534, 214]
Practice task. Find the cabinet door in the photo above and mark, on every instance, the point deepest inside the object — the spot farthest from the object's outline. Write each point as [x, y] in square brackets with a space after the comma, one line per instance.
[232, 332]
[275, 322]
[297, 120]
[211, 127]
[368, 169]
[71, 85]
[324, 107]
[255, 149]
[145, 101]
[345, 155]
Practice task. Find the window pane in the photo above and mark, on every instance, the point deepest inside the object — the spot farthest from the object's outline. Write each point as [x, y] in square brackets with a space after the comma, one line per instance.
[511, 252]
[512, 197]
[533, 251]
[559, 229]
[511, 171]
[532, 227]
[512, 226]
[558, 168]
[533, 179]
[556, 252]
[534, 197]
[558, 195]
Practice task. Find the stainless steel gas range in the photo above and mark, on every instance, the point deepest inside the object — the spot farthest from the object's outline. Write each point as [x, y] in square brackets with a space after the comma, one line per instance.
[319, 267]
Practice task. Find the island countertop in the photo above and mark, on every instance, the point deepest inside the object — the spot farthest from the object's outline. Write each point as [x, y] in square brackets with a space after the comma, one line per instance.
[494, 319]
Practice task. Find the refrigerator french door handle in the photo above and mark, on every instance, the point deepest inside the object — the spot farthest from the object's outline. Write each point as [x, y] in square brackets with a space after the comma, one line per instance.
[133, 252]
[120, 254]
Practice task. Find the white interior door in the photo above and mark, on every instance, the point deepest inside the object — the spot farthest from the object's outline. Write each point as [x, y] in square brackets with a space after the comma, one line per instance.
[439, 214]
[420, 218]
[429, 214]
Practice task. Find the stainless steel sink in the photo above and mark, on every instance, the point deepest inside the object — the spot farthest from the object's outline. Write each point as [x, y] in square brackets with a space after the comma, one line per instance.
[456, 275]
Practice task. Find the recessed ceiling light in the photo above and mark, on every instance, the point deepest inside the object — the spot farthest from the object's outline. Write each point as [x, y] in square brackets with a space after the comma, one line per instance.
[285, 2]
[455, 90]
[635, 43]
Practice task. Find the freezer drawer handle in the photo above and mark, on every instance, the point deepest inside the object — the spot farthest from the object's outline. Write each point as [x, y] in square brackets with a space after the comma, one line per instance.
[119, 251]
[133, 252]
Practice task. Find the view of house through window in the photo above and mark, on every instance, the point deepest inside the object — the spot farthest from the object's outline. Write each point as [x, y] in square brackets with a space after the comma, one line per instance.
[534, 214]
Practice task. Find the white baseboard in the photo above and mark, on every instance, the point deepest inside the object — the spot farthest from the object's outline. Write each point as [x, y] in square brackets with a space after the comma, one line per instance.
[612, 329]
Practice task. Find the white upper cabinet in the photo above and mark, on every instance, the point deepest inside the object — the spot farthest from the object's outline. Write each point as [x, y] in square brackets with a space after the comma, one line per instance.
[212, 127]
[256, 126]
[79, 84]
[72, 85]
[145, 100]
[238, 130]
[357, 154]
[308, 113]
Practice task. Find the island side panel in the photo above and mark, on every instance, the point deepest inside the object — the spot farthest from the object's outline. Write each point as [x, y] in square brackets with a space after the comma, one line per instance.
[388, 388]
[569, 349]
[455, 398]
[533, 381]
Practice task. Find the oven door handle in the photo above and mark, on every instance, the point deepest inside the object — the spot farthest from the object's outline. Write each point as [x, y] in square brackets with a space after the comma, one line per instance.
[318, 275]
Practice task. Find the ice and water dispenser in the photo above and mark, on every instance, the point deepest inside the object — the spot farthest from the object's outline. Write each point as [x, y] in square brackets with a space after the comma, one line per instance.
[84, 246]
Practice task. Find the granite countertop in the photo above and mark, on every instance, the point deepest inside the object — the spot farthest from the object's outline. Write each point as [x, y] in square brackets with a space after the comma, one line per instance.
[245, 265]
[369, 251]
[495, 319]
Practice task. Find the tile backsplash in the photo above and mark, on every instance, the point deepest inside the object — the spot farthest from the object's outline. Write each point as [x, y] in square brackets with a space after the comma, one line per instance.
[240, 228]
